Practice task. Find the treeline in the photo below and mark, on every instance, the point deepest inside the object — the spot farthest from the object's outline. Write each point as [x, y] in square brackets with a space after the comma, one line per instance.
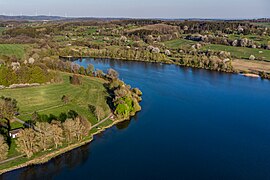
[118, 53]
[222, 39]
[8, 107]
[46, 135]
[202, 61]
[17, 73]
[228, 27]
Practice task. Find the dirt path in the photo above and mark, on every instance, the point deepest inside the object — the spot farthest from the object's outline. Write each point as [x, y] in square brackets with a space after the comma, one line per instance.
[52, 107]
[11, 159]
[100, 122]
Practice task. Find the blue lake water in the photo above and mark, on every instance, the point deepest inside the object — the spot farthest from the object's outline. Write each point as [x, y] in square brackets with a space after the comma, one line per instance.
[194, 124]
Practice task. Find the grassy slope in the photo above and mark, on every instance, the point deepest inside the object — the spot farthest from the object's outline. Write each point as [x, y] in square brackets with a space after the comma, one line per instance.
[256, 38]
[17, 50]
[42, 97]
[46, 98]
[240, 52]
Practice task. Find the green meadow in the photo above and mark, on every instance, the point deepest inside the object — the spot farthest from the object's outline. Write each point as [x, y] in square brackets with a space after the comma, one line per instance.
[46, 99]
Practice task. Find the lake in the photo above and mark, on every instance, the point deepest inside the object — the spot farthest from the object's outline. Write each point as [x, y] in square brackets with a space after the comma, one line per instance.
[194, 124]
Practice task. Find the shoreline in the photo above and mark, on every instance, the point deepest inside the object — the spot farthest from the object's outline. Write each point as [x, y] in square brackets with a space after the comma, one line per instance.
[47, 157]
[235, 71]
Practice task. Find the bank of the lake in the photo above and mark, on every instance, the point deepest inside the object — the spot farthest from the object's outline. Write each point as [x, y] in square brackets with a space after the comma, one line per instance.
[47, 94]
[194, 124]
[47, 156]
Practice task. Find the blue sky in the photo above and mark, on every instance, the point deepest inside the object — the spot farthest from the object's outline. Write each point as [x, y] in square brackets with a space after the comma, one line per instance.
[140, 8]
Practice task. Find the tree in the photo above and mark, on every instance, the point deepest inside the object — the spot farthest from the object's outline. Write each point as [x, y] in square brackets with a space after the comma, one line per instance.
[8, 107]
[92, 108]
[26, 142]
[65, 99]
[113, 74]
[75, 80]
[79, 129]
[3, 148]
[69, 130]
[72, 114]
[86, 124]
[57, 135]
[90, 69]
[252, 57]
[81, 70]
[99, 112]
[44, 135]
[99, 73]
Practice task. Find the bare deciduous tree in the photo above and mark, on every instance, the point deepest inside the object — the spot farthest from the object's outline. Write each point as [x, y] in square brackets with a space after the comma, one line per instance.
[3, 148]
[26, 142]
[99, 112]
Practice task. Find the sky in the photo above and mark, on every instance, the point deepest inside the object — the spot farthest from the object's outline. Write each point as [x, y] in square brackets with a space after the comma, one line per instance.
[218, 9]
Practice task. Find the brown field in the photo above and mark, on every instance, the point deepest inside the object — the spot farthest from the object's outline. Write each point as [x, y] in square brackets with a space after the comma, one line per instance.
[251, 66]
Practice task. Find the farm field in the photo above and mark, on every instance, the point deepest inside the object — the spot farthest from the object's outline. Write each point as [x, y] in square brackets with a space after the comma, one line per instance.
[240, 52]
[179, 43]
[16, 50]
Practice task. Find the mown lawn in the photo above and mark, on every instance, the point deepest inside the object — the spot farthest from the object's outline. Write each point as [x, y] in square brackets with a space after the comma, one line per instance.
[46, 99]
[240, 52]
[17, 50]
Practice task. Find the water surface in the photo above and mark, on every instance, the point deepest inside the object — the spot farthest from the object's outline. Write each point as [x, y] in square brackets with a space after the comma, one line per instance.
[194, 124]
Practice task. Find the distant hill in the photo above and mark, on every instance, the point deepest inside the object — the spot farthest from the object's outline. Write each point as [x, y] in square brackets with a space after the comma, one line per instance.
[57, 18]
[30, 18]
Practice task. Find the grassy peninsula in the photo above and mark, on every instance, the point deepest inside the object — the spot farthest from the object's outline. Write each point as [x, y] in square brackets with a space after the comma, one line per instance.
[46, 110]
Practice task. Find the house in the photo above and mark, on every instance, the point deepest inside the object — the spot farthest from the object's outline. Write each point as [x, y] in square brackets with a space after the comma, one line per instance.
[14, 133]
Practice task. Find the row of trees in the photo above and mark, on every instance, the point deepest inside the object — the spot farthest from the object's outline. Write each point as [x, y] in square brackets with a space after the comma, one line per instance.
[241, 42]
[17, 73]
[8, 107]
[3, 148]
[52, 135]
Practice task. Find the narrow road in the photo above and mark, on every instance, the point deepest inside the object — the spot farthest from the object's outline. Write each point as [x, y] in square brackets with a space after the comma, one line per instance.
[11, 159]
[100, 122]
[26, 124]
[35, 128]
[22, 122]
[52, 107]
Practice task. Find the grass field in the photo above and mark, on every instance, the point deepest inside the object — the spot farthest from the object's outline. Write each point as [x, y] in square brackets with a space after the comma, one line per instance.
[179, 43]
[17, 50]
[256, 38]
[240, 52]
[46, 99]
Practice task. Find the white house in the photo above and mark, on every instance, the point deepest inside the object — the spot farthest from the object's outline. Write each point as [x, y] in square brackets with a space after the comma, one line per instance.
[14, 133]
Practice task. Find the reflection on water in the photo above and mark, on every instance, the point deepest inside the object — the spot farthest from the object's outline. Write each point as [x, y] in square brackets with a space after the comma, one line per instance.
[68, 160]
